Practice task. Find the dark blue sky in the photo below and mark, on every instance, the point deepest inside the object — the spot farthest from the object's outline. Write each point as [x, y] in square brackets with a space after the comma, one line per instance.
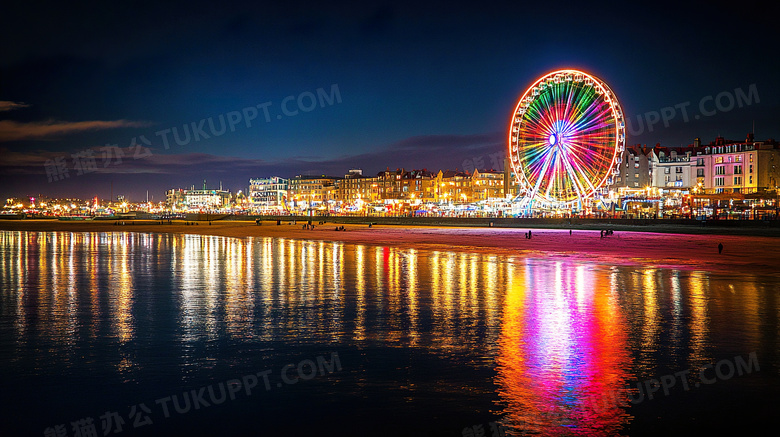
[420, 85]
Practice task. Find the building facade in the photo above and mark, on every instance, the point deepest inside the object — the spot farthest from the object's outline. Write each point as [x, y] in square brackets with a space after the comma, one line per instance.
[206, 200]
[745, 167]
[268, 194]
[670, 169]
[312, 192]
[487, 185]
[635, 168]
[454, 187]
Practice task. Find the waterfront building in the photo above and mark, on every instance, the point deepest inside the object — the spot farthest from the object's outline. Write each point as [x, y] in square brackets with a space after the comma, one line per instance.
[206, 199]
[670, 168]
[350, 191]
[390, 184]
[368, 188]
[745, 167]
[635, 169]
[311, 192]
[633, 182]
[175, 199]
[404, 191]
[268, 194]
[487, 185]
[453, 186]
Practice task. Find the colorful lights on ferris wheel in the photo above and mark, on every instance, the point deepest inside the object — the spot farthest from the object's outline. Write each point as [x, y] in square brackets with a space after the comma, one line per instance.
[565, 137]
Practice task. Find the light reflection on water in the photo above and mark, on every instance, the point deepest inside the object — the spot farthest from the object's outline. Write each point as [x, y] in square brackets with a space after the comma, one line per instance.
[554, 334]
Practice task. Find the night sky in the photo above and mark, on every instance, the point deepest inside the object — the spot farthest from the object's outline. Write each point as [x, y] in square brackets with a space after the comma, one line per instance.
[400, 84]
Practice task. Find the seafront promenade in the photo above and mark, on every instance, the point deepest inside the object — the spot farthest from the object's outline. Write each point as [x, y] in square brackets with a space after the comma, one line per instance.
[666, 246]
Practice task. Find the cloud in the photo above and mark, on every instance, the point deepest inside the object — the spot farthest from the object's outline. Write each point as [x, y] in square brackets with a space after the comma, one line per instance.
[13, 130]
[432, 152]
[25, 171]
[125, 160]
[6, 105]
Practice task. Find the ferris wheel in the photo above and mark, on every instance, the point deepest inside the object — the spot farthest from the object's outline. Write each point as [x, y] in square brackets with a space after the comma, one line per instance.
[565, 139]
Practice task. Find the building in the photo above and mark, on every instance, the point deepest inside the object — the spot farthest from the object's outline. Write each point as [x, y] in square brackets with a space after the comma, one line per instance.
[453, 187]
[175, 199]
[487, 185]
[671, 169]
[206, 200]
[635, 168]
[268, 194]
[744, 167]
[353, 191]
[511, 187]
[404, 191]
[312, 192]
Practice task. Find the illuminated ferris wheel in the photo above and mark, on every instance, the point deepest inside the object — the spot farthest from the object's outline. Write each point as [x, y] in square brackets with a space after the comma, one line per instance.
[565, 139]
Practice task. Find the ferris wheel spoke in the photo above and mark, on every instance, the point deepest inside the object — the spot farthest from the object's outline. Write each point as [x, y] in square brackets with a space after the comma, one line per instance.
[581, 170]
[595, 118]
[588, 169]
[600, 122]
[588, 147]
[543, 171]
[555, 178]
[575, 181]
[582, 105]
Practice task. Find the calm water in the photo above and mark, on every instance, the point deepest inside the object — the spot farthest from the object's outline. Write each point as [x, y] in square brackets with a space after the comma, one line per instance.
[410, 342]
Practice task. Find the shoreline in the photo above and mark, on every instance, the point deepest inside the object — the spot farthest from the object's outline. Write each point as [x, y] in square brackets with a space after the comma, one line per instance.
[651, 249]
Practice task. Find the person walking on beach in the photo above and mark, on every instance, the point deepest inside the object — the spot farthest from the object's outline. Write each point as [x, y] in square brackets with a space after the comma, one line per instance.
[720, 248]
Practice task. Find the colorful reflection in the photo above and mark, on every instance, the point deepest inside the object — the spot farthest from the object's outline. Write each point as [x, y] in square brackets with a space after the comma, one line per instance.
[563, 346]
[549, 345]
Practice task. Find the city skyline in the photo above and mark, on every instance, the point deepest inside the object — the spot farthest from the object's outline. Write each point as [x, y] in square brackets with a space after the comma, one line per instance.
[471, 166]
[329, 88]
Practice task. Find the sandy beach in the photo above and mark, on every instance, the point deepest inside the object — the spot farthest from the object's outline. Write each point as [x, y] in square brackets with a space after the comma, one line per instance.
[741, 253]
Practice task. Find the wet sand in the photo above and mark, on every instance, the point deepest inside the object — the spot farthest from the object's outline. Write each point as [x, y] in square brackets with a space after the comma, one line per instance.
[756, 254]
